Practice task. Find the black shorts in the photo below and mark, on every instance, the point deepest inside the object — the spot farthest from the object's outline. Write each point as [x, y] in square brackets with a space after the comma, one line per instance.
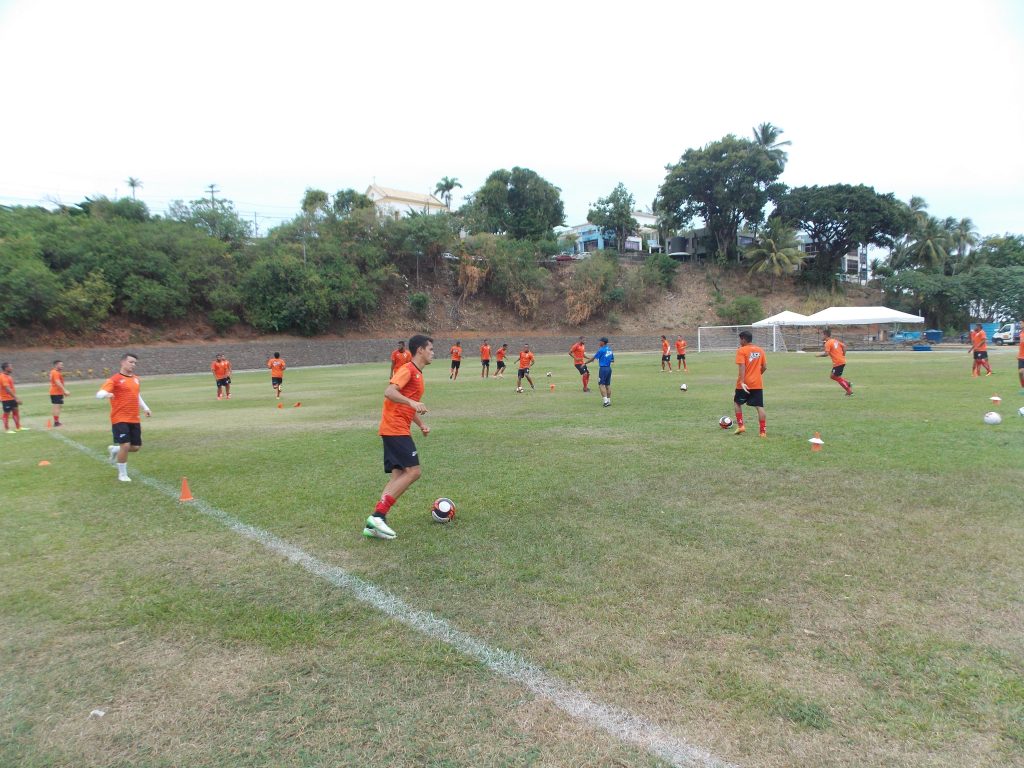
[485, 363]
[838, 370]
[981, 355]
[399, 452]
[276, 381]
[501, 365]
[125, 432]
[456, 364]
[523, 372]
[680, 357]
[754, 397]
[1020, 363]
[582, 368]
[57, 399]
[666, 358]
[227, 380]
[10, 406]
[604, 376]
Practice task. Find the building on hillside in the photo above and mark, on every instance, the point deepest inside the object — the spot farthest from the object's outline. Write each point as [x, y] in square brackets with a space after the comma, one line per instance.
[590, 237]
[854, 263]
[397, 203]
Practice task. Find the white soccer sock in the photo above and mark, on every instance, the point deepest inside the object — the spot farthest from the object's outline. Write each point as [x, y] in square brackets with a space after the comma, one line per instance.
[122, 469]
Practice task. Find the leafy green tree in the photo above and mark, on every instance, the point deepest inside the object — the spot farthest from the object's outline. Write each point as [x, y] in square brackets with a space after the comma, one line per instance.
[315, 203]
[519, 203]
[767, 136]
[963, 238]
[283, 294]
[28, 287]
[743, 310]
[775, 251]
[216, 218]
[82, 307]
[346, 201]
[615, 213]
[660, 269]
[726, 183]
[839, 218]
[930, 244]
[444, 188]
[1001, 251]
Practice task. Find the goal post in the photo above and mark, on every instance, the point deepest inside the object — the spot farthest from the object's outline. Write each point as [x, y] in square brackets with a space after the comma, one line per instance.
[716, 338]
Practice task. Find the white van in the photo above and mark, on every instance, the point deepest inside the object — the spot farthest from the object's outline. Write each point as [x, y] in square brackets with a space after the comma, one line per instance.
[1008, 333]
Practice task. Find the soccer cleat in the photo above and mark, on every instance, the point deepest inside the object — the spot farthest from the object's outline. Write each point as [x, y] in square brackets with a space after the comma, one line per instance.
[762, 434]
[379, 527]
[739, 430]
[24, 429]
[112, 453]
[12, 431]
[989, 373]
[124, 479]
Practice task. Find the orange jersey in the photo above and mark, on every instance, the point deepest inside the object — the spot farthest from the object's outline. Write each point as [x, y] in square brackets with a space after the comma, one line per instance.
[1020, 352]
[500, 354]
[835, 350]
[124, 405]
[485, 352]
[276, 366]
[221, 369]
[578, 352]
[395, 418]
[680, 347]
[456, 353]
[6, 387]
[526, 359]
[399, 358]
[979, 341]
[753, 360]
[664, 347]
[56, 382]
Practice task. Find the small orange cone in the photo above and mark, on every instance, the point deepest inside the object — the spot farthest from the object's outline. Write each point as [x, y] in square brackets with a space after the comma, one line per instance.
[48, 424]
[186, 494]
[297, 405]
[816, 442]
[552, 386]
[44, 463]
[280, 405]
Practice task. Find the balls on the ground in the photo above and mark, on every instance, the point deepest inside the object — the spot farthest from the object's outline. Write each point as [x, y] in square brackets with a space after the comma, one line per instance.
[993, 418]
[1020, 411]
[443, 511]
[725, 422]
[682, 387]
[548, 373]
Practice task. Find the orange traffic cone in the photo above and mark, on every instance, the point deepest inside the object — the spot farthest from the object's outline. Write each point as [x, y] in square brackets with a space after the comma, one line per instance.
[816, 442]
[44, 463]
[280, 405]
[48, 424]
[186, 494]
[552, 386]
[297, 405]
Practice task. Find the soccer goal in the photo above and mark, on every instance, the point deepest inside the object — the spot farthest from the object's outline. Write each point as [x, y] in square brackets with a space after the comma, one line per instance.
[712, 338]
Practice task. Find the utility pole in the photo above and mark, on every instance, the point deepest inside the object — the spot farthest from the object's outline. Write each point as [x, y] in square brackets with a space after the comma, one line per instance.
[255, 224]
[213, 188]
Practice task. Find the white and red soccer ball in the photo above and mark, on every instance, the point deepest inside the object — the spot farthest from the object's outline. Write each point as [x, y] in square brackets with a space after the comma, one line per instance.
[443, 511]
[725, 422]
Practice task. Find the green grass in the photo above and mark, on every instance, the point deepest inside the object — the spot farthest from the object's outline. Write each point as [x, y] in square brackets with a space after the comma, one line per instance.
[857, 606]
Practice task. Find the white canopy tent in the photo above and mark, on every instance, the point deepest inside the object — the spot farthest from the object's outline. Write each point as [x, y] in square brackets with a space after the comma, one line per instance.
[860, 316]
[782, 318]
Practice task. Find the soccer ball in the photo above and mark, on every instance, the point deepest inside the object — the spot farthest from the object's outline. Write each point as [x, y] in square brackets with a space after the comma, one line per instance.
[443, 511]
[1020, 411]
[519, 389]
[725, 422]
[682, 387]
[993, 418]
[548, 374]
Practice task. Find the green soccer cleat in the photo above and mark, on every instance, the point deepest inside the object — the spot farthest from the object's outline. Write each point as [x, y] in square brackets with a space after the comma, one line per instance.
[378, 527]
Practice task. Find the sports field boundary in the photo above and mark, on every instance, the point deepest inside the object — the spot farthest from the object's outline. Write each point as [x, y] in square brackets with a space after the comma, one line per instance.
[617, 722]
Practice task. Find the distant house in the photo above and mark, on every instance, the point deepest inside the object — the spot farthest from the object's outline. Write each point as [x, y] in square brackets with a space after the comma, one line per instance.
[398, 203]
[590, 237]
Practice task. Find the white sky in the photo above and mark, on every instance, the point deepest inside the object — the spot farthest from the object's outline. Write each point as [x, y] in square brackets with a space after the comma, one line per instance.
[265, 99]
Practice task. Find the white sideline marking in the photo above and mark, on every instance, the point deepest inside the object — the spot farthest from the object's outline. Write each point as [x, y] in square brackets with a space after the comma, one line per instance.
[618, 722]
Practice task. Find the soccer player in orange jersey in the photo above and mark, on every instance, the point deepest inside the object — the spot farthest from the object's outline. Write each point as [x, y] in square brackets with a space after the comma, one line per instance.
[751, 363]
[666, 358]
[578, 353]
[57, 390]
[402, 408]
[9, 399]
[276, 366]
[456, 353]
[221, 368]
[836, 349]
[979, 349]
[125, 401]
[681, 354]
[399, 357]
[1020, 358]
[485, 360]
[526, 359]
[499, 356]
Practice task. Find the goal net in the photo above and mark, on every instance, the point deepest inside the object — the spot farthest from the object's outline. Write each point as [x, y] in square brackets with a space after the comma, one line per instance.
[712, 338]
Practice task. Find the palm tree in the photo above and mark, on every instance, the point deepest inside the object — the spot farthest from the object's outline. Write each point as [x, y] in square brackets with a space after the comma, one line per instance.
[444, 189]
[963, 237]
[775, 251]
[134, 184]
[930, 243]
[767, 136]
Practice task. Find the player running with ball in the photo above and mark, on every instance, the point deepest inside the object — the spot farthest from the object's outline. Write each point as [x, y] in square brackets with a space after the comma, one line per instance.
[751, 363]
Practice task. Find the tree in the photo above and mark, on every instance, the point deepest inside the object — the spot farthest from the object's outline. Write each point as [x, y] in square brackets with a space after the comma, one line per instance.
[314, 203]
[838, 218]
[348, 200]
[134, 184]
[444, 189]
[615, 213]
[963, 237]
[217, 218]
[519, 203]
[725, 183]
[766, 136]
[775, 251]
[930, 244]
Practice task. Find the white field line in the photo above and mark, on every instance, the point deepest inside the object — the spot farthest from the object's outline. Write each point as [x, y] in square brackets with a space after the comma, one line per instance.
[618, 722]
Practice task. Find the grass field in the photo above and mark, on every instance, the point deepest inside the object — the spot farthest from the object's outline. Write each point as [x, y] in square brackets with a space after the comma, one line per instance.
[857, 606]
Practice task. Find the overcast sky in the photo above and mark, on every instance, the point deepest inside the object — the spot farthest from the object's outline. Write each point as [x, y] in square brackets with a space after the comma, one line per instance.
[265, 99]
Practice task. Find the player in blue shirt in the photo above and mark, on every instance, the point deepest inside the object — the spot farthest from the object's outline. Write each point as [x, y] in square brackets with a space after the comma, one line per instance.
[604, 357]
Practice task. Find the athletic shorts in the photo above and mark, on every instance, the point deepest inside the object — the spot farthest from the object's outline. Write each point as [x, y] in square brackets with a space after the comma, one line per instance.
[57, 399]
[604, 376]
[524, 372]
[10, 406]
[1020, 363]
[225, 381]
[399, 452]
[666, 358]
[125, 432]
[485, 363]
[276, 381]
[754, 397]
[456, 364]
[582, 368]
[838, 370]
[501, 365]
[981, 355]
[680, 357]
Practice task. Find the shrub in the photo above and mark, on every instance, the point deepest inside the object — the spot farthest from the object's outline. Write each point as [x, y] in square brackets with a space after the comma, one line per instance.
[743, 310]
[660, 269]
[222, 320]
[591, 287]
[419, 303]
[84, 306]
